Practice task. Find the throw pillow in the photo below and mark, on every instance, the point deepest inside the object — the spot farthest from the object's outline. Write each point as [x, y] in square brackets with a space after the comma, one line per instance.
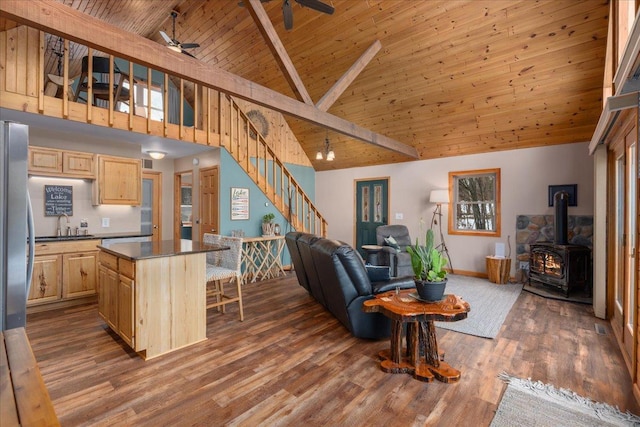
[378, 273]
[391, 241]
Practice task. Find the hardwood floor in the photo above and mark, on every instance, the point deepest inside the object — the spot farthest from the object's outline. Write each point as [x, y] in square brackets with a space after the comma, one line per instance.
[291, 363]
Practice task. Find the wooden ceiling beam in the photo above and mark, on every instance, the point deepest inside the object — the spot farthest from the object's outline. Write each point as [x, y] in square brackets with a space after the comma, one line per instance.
[62, 20]
[347, 78]
[270, 36]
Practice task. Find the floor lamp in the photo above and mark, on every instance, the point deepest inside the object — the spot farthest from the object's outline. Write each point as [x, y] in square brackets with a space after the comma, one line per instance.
[439, 197]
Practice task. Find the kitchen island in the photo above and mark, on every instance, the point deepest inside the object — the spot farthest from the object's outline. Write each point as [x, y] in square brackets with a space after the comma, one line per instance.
[153, 294]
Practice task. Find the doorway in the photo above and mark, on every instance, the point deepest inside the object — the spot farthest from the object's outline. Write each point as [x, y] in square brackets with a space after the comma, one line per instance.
[150, 215]
[372, 210]
[183, 204]
[209, 200]
[622, 245]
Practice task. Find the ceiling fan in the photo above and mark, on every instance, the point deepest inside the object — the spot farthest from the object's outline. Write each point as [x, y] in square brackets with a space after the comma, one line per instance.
[174, 44]
[287, 10]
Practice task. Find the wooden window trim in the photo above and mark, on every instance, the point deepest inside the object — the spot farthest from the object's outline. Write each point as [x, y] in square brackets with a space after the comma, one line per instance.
[452, 207]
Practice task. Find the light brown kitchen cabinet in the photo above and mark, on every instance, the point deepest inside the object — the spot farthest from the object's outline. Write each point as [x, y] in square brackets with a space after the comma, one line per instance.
[45, 161]
[46, 284]
[79, 271]
[78, 164]
[54, 162]
[125, 309]
[116, 299]
[119, 181]
[64, 272]
[108, 291]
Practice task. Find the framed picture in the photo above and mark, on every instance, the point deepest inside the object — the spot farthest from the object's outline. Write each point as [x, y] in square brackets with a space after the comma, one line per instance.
[571, 190]
[239, 203]
[58, 200]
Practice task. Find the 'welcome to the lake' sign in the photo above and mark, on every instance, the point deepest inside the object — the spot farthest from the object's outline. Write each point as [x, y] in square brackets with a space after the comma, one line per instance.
[58, 200]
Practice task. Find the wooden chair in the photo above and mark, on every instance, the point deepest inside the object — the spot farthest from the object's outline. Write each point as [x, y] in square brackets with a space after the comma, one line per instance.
[224, 266]
[101, 87]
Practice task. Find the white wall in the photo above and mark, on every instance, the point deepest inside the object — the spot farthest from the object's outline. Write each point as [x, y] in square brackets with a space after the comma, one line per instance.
[121, 218]
[525, 177]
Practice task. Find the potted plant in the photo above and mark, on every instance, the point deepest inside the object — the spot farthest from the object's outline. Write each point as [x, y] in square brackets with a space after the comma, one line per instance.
[428, 269]
[267, 224]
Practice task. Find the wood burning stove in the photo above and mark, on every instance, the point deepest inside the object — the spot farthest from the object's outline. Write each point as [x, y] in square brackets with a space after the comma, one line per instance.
[561, 265]
[564, 267]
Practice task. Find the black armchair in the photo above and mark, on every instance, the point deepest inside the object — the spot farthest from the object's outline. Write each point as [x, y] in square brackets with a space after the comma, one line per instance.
[394, 240]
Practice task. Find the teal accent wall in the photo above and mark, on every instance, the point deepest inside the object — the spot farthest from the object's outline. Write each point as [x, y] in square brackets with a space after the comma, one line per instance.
[232, 175]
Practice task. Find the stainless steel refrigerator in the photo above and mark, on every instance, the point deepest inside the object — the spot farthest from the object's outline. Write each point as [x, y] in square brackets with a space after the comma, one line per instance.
[16, 226]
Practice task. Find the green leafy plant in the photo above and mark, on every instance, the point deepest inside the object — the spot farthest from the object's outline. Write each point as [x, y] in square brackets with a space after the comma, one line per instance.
[427, 261]
[268, 217]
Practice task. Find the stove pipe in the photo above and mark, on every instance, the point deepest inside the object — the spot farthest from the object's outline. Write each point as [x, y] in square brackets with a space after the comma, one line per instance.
[561, 202]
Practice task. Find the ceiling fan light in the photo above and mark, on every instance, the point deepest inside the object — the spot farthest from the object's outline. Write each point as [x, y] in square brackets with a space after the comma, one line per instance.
[319, 155]
[330, 156]
[156, 154]
[175, 48]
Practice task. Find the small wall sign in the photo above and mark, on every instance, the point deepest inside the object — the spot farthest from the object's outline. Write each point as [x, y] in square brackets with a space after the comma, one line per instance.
[58, 200]
[239, 203]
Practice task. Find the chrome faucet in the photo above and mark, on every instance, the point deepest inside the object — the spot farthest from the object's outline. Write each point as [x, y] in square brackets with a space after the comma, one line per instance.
[68, 227]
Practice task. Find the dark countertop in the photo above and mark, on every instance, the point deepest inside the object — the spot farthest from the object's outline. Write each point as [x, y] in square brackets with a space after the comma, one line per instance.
[41, 239]
[164, 248]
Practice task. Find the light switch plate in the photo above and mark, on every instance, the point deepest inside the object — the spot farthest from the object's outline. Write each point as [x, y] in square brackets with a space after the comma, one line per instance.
[105, 222]
[399, 215]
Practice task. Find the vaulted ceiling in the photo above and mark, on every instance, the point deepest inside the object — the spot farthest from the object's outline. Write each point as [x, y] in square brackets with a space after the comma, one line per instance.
[451, 77]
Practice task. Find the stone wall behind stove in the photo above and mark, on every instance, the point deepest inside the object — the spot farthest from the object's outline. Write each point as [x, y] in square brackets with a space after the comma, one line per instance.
[531, 229]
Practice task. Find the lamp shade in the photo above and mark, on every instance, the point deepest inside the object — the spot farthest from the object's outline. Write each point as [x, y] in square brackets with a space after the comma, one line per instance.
[156, 154]
[439, 196]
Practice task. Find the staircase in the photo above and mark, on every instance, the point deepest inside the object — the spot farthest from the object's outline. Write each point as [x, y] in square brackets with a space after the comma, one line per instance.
[240, 137]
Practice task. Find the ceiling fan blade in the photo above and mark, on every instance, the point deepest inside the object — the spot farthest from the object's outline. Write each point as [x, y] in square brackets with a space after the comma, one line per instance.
[189, 45]
[188, 54]
[166, 38]
[287, 14]
[317, 5]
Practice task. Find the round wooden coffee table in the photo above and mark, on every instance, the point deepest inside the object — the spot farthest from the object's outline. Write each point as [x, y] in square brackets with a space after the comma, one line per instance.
[420, 358]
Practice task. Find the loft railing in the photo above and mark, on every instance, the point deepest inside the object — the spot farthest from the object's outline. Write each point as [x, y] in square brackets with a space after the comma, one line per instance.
[44, 70]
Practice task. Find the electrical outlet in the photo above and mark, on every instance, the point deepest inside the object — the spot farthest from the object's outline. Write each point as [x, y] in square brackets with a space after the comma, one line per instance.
[105, 222]
[524, 265]
[399, 215]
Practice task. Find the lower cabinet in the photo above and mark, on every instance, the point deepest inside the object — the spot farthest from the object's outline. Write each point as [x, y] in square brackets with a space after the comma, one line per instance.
[108, 295]
[64, 272]
[79, 274]
[116, 295]
[46, 284]
[125, 309]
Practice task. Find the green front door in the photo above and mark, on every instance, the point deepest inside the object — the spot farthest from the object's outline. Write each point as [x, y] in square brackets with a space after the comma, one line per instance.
[372, 210]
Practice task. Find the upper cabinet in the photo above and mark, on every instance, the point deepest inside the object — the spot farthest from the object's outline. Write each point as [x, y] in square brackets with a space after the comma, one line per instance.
[119, 181]
[68, 164]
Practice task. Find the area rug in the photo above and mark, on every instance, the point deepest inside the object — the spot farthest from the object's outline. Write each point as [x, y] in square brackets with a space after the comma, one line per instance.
[528, 403]
[490, 303]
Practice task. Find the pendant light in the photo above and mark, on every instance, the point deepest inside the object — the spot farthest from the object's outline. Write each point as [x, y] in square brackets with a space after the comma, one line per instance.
[328, 152]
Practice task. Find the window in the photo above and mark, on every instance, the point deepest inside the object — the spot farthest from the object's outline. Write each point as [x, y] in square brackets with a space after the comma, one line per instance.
[141, 97]
[475, 197]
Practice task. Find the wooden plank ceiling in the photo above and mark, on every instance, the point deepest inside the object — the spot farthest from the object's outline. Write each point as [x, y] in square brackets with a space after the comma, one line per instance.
[452, 77]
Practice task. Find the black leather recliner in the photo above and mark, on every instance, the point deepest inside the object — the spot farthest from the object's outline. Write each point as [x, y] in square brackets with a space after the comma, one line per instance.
[335, 275]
